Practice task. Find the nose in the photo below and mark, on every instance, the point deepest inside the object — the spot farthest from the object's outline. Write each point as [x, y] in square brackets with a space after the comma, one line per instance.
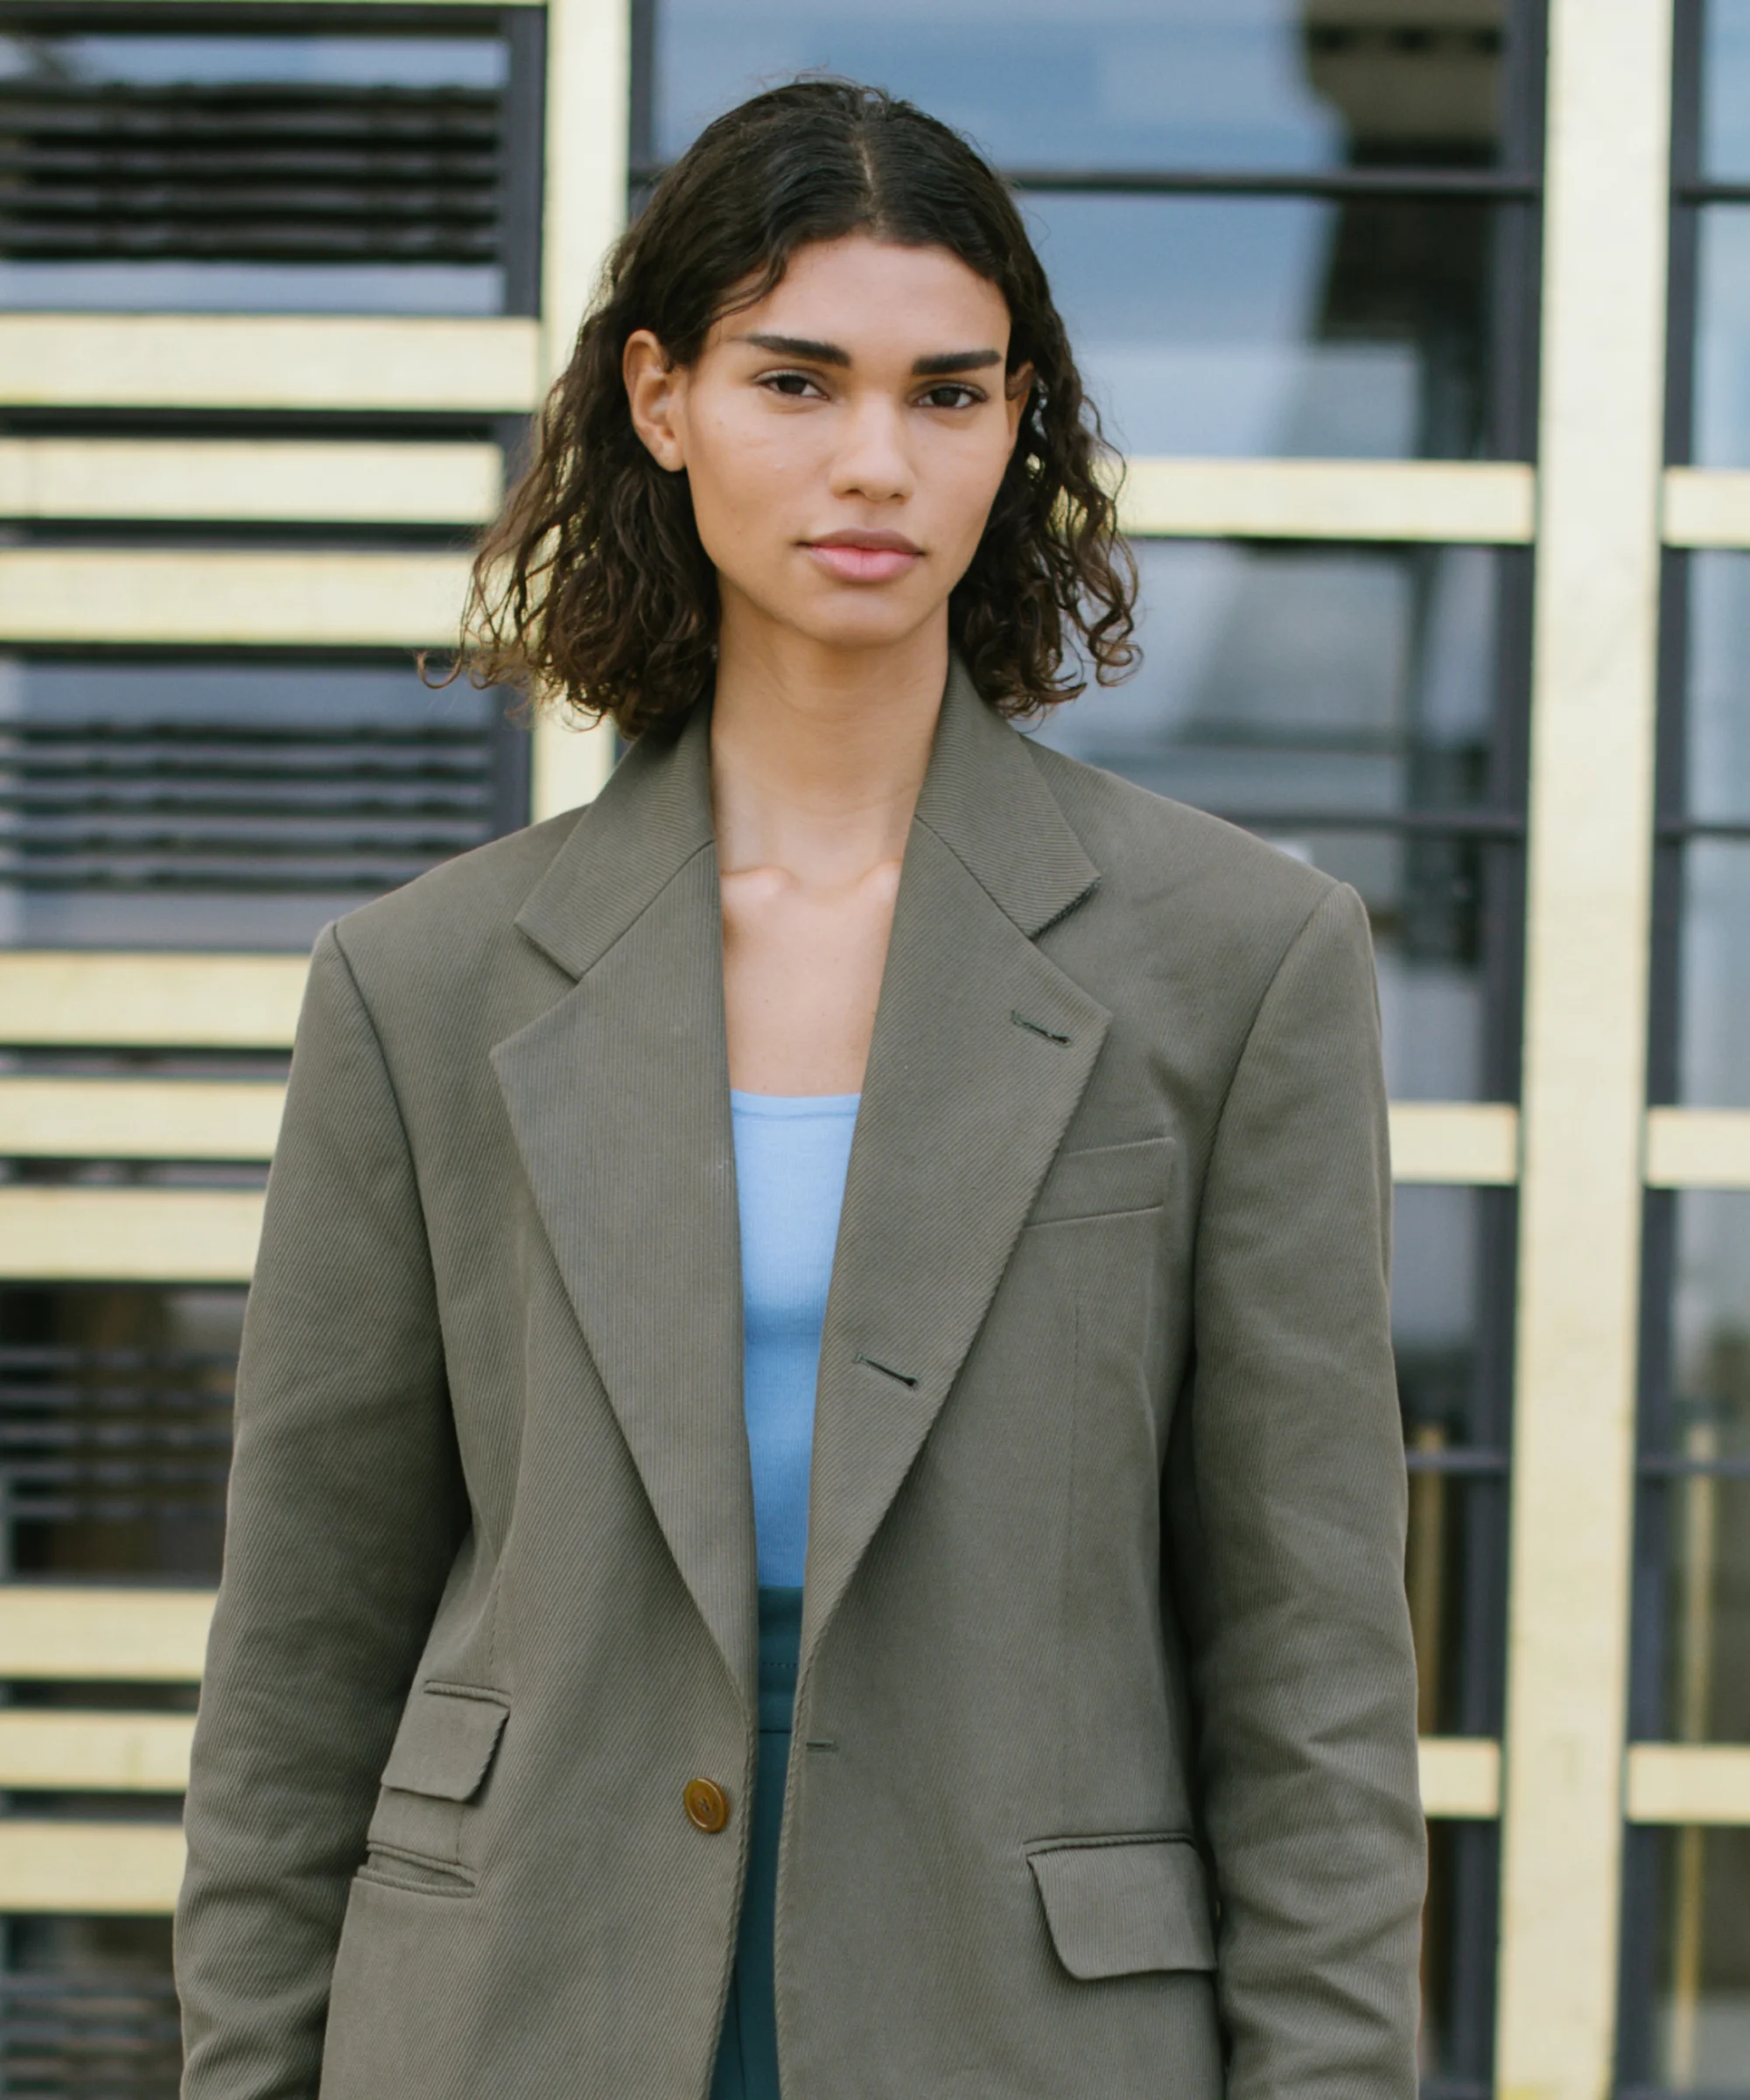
[873, 460]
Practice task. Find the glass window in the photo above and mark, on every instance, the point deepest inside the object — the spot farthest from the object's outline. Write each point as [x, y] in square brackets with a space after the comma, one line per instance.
[1358, 708]
[1217, 326]
[1701, 1001]
[1724, 152]
[1236, 84]
[238, 171]
[1694, 1547]
[1688, 2029]
[1452, 1294]
[1722, 338]
[213, 804]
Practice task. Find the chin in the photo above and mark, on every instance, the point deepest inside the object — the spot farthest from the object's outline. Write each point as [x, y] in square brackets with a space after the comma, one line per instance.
[870, 625]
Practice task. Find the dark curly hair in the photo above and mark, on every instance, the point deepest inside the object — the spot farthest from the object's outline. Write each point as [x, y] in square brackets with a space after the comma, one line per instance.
[592, 588]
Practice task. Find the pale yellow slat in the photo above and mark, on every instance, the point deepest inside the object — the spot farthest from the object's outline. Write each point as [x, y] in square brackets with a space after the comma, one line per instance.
[280, 479]
[138, 1118]
[142, 1636]
[122, 1235]
[228, 597]
[1706, 508]
[1460, 1778]
[60, 1751]
[1698, 1148]
[1329, 499]
[1459, 1142]
[108, 1869]
[101, 1000]
[207, 360]
[1594, 735]
[1688, 1783]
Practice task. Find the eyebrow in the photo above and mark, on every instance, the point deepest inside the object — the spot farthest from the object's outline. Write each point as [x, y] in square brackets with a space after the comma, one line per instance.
[940, 366]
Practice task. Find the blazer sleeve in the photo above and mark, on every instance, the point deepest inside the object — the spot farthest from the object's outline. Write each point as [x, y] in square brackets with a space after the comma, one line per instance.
[1286, 1510]
[345, 1513]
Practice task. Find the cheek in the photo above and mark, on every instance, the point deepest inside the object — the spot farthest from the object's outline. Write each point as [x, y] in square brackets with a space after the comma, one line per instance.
[745, 482]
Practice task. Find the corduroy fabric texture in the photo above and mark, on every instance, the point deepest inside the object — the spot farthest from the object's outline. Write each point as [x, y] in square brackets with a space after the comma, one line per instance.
[1106, 1516]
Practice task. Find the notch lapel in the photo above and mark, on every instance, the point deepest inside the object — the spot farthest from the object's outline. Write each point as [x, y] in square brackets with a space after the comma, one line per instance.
[619, 1098]
[982, 1049]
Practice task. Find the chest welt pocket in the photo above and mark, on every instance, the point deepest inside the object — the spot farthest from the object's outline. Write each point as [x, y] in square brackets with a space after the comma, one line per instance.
[1100, 1181]
[1122, 1906]
[443, 1751]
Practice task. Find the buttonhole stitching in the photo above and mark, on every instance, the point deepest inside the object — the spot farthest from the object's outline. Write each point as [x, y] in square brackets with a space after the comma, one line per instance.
[1051, 1035]
[886, 1369]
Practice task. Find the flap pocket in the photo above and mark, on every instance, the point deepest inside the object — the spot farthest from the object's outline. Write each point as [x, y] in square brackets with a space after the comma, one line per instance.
[1101, 1179]
[1119, 1906]
[446, 1742]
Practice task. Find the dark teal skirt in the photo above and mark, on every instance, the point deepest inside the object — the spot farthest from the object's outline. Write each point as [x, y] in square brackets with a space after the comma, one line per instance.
[747, 2053]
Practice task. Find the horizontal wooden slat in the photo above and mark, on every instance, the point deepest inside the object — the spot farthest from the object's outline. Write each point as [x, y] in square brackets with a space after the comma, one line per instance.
[122, 1235]
[1703, 509]
[229, 598]
[1329, 499]
[266, 480]
[104, 1000]
[1698, 1148]
[63, 1751]
[1455, 1141]
[1460, 1778]
[207, 360]
[1688, 1782]
[110, 1869]
[138, 1119]
[72, 1635]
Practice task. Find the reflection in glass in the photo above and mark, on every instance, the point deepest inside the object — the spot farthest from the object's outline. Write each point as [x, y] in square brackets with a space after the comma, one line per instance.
[239, 172]
[1284, 686]
[1716, 718]
[1222, 326]
[115, 1429]
[1713, 1012]
[1220, 84]
[1722, 337]
[1702, 2014]
[206, 804]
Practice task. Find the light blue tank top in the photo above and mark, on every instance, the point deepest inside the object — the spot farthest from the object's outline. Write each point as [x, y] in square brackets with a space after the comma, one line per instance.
[791, 1154]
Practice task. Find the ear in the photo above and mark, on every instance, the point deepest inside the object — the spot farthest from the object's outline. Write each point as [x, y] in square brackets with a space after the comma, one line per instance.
[1016, 392]
[656, 392]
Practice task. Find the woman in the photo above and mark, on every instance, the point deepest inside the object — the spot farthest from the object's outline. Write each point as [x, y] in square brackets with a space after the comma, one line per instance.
[1065, 1529]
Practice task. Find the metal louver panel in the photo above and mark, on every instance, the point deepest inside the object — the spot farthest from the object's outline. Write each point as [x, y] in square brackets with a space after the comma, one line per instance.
[235, 806]
[118, 2037]
[114, 1436]
[111, 171]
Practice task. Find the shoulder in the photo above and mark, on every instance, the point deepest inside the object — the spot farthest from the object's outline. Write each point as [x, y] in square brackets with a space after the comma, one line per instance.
[441, 929]
[1177, 865]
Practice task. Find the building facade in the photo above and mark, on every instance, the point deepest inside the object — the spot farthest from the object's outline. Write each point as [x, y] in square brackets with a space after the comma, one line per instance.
[1424, 327]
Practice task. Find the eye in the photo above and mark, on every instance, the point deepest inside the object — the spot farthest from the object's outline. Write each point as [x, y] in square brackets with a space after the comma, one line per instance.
[953, 394]
[793, 386]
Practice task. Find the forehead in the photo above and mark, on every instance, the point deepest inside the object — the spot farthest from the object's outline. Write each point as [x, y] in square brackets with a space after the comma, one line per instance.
[870, 296]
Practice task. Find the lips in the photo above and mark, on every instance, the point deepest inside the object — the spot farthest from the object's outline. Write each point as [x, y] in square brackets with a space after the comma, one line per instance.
[865, 557]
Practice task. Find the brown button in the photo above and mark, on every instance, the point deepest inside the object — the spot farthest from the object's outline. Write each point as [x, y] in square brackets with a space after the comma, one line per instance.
[706, 1804]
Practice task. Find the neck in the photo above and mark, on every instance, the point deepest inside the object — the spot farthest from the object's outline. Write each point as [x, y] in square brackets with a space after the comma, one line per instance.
[817, 753]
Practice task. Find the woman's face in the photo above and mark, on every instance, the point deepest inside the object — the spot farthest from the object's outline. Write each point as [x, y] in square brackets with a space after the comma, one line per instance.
[843, 439]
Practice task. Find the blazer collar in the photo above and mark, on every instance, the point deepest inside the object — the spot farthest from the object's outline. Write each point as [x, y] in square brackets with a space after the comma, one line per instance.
[982, 796]
[619, 1098]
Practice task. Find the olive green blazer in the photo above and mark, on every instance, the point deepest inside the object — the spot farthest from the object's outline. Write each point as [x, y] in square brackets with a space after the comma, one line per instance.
[1103, 1781]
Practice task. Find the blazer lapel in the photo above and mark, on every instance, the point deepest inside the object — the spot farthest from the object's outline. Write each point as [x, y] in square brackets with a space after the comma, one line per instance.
[619, 1098]
[981, 1052]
